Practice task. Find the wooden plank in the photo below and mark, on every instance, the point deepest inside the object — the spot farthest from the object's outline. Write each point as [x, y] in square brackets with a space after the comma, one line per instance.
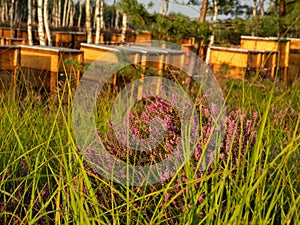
[232, 57]
[93, 52]
[295, 43]
[14, 41]
[267, 44]
[9, 57]
[62, 39]
[49, 61]
[143, 36]
[7, 32]
[9, 64]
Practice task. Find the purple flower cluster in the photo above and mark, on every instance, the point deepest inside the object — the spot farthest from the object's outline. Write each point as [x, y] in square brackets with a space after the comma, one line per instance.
[238, 139]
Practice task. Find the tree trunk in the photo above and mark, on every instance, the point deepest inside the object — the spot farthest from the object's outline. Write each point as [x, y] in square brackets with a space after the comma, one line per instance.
[12, 17]
[46, 15]
[203, 12]
[212, 37]
[102, 23]
[261, 7]
[34, 7]
[69, 11]
[162, 3]
[98, 26]
[16, 13]
[166, 7]
[2, 11]
[254, 8]
[59, 13]
[282, 12]
[80, 14]
[6, 11]
[41, 23]
[29, 23]
[65, 13]
[124, 28]
[117, 19]
[88, 21]
[53, 14]
[73, 11]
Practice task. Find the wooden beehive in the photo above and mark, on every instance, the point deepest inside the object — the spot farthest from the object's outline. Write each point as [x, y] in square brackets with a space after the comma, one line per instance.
[7, 32]
[294, 63]
[235, 63]
[93, 52]
[270, 44]
[47, 65]
[62, 39]
[21, 33]
[143, 36]
[78, 38]
[13, 41]
[9, 64]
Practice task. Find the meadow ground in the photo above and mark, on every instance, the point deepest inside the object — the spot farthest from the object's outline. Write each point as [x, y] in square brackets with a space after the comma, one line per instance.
[255, 178]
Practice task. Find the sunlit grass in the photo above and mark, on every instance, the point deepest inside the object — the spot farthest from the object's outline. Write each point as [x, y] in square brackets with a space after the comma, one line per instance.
[45, 180]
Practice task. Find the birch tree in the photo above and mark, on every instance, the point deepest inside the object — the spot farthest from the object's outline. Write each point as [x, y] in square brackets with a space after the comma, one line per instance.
[102, 23]
[65, 13]
[29, 22]
[11, 16]
[59, 13]
[46, 22]
[212, 37]
[254, 8]
[80, 14]
[2, 10]
[88, 21]
[98, 26]
[41, 23]
[124, 27]
[72, 14]
[117, 20]
[261, 7]
[164, 7]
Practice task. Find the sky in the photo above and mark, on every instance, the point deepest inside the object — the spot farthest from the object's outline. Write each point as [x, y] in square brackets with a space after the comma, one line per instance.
[190, 11]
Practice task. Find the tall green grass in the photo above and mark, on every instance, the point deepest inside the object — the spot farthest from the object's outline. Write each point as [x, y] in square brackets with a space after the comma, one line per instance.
[45, 180]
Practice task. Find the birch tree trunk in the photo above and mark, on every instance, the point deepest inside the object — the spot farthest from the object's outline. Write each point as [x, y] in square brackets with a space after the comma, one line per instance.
[41, 23]
[117, 20]
[69, 11]
[88, 21]
[53, 14]
[11, 16]
[65, 13]
[29, 22]
[6, 10]
[254, 8]
[16, 12]
[80, 14]
[102, 23]
[162, 3]
[261, 7]
[212, 37]
[203, 12]
[97, 15]
[34, 10]
[59, 13]
[46, 15]
[2, 11]
[166, 7]
[73, 11]
[124, 28]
